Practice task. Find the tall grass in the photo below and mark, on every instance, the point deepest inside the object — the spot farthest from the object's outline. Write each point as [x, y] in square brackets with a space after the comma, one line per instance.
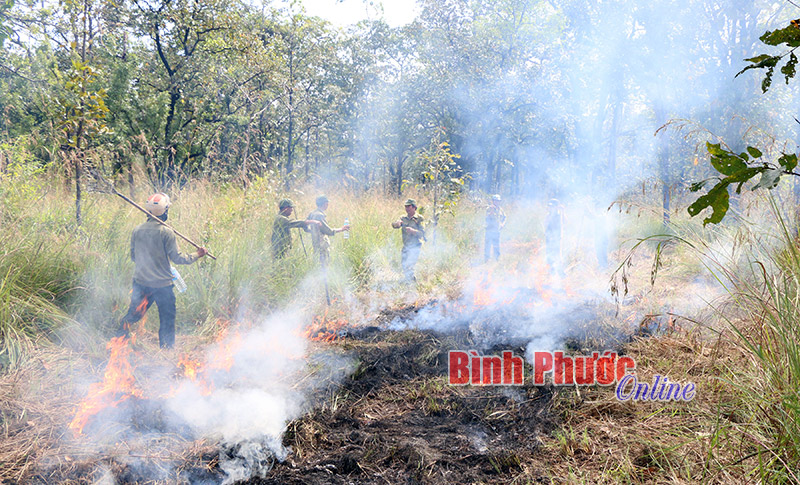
[52, 271]
[758, 265]
[767, 322]
[35, 284]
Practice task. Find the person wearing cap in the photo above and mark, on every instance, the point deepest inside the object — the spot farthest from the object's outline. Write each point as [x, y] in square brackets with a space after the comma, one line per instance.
[495, 220]
[282, 226]
[153, 246]
[413, 233]
[321, 233]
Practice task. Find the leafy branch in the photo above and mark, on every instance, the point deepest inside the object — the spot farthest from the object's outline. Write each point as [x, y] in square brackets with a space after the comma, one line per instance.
[737, 169]
[788, 36]
[443, 177]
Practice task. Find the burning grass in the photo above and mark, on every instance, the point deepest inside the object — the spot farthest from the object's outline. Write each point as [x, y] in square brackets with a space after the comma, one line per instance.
[395, 419]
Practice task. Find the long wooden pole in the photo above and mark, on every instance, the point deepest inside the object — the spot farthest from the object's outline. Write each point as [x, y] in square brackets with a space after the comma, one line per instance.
[126, 199]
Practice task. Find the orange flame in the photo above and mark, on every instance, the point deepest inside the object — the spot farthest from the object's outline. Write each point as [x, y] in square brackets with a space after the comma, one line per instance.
[483, 295]
[195, 372]
[323, 329]
[117, 386]
[142, 306]
[140, 310]
[486, 293]
[229, 340]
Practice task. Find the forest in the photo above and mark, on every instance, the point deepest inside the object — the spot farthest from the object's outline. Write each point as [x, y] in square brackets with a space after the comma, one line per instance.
[634, 160]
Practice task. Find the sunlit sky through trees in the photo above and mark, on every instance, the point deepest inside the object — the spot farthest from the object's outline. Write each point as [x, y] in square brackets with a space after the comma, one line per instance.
[347, 12]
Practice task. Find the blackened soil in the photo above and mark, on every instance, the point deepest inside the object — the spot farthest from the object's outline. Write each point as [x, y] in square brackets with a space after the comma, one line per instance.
[396, 420]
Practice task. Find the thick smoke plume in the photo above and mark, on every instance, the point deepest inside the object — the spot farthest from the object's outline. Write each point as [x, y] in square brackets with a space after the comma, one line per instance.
[241, 394]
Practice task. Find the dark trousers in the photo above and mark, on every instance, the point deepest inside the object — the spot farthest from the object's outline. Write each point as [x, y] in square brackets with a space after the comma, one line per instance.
[491, 245]
[141, 299]
[408, 259]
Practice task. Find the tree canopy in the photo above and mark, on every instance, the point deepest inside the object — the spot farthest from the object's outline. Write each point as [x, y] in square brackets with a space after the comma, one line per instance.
[540, 98]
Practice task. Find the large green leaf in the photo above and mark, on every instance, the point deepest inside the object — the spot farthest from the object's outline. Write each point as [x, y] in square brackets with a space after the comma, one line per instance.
[789, 35]
[754, 152]
[725, 162]
[717, 198]
[788, 161]
[790, 68]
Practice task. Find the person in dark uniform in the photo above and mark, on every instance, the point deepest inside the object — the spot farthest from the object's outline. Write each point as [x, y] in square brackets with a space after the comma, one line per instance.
[281, 229]
[413, 232]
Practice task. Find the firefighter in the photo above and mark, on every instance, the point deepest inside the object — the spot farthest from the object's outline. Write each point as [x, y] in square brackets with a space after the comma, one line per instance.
[495, 220]
[153, 246]
[553, 228]
[320, 233]
[282, 226]
[413, 233]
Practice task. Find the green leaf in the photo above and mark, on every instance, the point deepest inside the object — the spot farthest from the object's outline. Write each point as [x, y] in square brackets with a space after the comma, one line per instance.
[754, 152]
[788, 161]
[767, 81]
[699, 185]
[743, 176]
[717, 198]
[790, 68]
[715, 149]
[760, 62]
[759, 59]
[789, 35]
[725, 162]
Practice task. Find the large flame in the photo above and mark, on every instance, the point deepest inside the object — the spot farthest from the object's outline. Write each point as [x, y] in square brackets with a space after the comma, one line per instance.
[117, 386]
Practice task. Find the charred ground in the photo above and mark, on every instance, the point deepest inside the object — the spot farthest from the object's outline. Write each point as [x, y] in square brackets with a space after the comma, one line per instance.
[396, 420]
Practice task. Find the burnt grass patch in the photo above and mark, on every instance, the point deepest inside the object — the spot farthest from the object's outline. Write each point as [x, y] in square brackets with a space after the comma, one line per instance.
[396, 420]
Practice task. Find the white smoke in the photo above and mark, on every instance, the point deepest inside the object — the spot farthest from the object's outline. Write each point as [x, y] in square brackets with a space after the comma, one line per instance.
[264, 388]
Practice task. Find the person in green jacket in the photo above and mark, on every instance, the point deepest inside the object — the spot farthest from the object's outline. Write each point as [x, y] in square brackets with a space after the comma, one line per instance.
[413, 233]
[320, 234]
[153, 246]
[282, 226]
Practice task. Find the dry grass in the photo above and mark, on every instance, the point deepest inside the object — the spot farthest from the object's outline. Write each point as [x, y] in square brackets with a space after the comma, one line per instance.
[604, 440]
[408, 423]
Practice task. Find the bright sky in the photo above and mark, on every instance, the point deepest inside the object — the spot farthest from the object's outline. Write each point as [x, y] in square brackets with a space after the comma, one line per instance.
[342, 13]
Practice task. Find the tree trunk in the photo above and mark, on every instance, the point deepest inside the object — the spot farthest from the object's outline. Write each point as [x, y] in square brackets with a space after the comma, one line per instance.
[167, 172]
[290, 147]
[663, 171]
[78, 192]
[613, 137]
[399, 172]
[488, 182]
[131, 184]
